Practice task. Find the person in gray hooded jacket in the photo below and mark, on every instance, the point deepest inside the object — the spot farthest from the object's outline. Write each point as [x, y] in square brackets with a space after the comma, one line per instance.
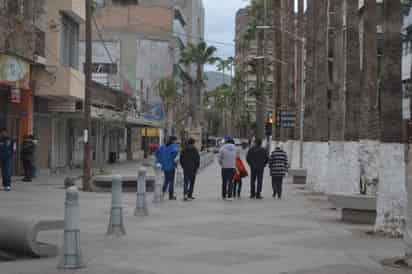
[227, 160]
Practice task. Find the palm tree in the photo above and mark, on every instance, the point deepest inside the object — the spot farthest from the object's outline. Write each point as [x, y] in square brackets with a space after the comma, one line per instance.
[197, 55]
[168, 92]
[390, 94]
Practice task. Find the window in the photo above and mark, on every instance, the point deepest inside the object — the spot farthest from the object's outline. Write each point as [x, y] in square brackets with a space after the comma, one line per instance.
[70, 42]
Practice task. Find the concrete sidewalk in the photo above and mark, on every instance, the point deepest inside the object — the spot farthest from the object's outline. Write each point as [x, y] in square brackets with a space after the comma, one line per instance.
[299, 234]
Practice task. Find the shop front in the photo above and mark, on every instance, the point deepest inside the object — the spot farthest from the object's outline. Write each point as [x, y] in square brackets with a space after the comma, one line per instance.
[16, 100]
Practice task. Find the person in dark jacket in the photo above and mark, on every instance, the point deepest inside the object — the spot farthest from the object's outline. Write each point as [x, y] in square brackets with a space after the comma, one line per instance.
[190, 161]
[7, 150]
[257, 158]
[166, 157]
[27, 157]
[278, 167]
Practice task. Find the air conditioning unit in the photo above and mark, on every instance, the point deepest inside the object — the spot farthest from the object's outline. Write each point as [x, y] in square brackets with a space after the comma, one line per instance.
[40, 60]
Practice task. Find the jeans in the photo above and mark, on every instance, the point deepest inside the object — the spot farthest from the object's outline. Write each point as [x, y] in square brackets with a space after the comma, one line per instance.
[237, 188]
[257, 174]
[277, 186]
[189, 184]
[5, 166]
[227, 182]
[169, 183]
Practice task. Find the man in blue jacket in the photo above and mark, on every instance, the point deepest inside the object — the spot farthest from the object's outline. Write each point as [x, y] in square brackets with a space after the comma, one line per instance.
[166, 157]
[7, 149]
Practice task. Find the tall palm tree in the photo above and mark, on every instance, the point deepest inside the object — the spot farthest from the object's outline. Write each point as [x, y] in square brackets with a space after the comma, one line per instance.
[168, 92]
[390, 100]
[198, 55]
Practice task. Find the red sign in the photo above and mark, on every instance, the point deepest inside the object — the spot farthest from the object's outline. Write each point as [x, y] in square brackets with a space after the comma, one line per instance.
[15, 95]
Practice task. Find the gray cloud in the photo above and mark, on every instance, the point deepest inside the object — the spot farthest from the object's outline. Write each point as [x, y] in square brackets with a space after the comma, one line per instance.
[220, 24]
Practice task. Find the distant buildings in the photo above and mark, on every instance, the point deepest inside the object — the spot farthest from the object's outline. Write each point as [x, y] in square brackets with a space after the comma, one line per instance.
[135, 43]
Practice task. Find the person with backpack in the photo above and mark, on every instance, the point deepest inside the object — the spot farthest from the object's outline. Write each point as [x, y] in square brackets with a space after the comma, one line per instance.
[278, 164]
[166, 157]
[257, 158]
[240, 173]
[190, 162]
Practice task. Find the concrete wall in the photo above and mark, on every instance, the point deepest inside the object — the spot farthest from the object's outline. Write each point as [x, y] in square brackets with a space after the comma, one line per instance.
[315, 160]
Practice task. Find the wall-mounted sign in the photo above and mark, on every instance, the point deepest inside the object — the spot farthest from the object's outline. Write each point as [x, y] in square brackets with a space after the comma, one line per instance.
[13, 69]
[15, 95]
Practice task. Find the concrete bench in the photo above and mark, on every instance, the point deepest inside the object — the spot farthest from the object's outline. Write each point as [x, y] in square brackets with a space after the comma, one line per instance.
[103, 183]
[298, 175]
[356, 208]
[19, 236]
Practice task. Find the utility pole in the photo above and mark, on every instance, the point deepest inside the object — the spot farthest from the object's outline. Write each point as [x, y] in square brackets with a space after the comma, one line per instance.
[87, 100]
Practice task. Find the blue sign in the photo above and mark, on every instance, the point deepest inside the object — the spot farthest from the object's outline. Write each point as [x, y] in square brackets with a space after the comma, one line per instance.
[153, 112]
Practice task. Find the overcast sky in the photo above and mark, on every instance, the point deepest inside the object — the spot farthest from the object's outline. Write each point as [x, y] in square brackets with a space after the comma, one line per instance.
[220, 25]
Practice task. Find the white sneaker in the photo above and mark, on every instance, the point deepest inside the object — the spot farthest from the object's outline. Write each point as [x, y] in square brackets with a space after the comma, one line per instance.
[7, 188]
[229, 199]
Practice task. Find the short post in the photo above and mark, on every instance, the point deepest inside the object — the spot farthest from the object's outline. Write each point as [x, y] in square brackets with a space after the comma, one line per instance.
[116, 225]
[158, 195]
[141, 205]
[71, 257]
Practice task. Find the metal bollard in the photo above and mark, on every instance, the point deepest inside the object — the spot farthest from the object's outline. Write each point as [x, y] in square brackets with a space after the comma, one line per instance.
[158, 195]
[116, 225]
[141, 205]
[72, 257]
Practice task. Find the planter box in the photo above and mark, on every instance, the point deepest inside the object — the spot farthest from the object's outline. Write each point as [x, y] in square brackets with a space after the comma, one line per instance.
[356, 208]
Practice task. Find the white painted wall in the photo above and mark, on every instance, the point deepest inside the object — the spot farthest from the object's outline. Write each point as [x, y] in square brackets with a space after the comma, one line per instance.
[343, 173]
[391, 196]
[315, 160]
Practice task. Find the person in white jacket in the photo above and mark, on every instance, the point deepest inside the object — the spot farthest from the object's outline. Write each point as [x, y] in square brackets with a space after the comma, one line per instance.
[227, 160]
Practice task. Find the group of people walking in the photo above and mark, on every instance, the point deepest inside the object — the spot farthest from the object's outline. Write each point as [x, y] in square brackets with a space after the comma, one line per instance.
[8, 149]
[167, 157]
[233, 169]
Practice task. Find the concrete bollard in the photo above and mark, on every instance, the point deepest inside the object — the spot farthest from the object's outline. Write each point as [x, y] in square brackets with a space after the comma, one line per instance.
[141, 204]
[116, 225]
[158, 195]
[72, 257]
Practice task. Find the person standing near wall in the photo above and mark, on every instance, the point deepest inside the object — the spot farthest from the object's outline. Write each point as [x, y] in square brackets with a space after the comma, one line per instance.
[257, 158]
[27, 157]
[166, 157]
[7, 150]
[190, 162]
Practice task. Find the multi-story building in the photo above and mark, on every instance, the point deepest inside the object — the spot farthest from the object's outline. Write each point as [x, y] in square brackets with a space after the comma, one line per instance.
[22, 49]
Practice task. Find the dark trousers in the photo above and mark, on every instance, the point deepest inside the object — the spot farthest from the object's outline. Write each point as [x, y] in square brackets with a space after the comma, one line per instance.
[277, 182]
[5, 166]
[237, 188]
[189, 183]
[257, 174]
[227, 182]
[169, 183]
[28, 169]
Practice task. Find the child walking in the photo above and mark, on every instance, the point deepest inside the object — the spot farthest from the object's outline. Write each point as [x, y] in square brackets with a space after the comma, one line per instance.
[240, 173]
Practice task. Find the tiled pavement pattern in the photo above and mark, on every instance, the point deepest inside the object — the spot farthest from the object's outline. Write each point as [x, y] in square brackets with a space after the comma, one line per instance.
[297, 235]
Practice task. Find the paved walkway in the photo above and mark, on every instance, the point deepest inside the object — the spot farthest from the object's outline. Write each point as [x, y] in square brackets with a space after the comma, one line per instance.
[299, 234]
